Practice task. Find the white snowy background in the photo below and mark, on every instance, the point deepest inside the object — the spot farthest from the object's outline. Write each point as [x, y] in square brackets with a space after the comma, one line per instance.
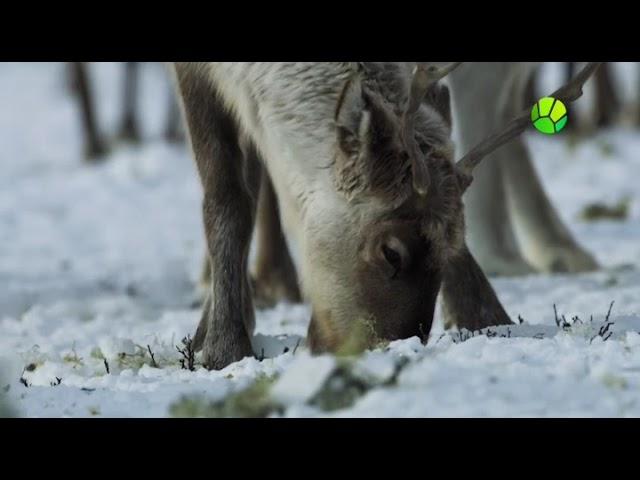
[99, 262]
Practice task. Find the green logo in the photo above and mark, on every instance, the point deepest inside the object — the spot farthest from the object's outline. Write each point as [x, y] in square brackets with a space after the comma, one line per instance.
[549, 115]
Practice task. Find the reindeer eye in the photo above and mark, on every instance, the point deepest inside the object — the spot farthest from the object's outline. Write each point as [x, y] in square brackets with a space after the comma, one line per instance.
[393, 258]
[426, 149]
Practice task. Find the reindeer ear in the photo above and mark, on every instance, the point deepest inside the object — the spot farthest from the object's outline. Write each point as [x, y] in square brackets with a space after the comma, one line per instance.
[439, 98]
[353, 119]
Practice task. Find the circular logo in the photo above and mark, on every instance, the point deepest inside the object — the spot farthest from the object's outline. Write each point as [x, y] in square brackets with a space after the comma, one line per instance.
[549, 115]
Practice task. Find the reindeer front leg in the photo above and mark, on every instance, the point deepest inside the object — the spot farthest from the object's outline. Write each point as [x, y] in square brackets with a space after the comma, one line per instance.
[275, 277]
[469, 300]
[230, 182]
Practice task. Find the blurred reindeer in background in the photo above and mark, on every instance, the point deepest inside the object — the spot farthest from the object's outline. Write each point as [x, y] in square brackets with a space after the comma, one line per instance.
[507, 196]
[507, 193]
[95, 144]
[608, 104]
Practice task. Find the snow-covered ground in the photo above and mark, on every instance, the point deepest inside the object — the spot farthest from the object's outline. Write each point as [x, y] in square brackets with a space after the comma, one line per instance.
[99, 266]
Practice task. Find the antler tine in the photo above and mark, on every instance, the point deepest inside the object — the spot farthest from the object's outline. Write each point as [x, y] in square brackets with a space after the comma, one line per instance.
[424, 77]
[568, 93]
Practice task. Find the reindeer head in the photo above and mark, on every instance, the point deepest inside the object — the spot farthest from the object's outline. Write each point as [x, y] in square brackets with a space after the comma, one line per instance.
[377, 260]
[374, 262]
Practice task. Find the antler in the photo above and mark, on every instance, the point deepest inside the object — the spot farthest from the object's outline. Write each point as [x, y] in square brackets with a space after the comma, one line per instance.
[425, 76]
[567, 93]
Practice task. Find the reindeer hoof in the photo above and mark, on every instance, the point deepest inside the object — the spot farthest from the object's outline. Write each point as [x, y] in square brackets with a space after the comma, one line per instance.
[269, 290]
[129, 133]
[569, 259]
[223, 350]
[221, 343]
[506, 267]
[96, 152]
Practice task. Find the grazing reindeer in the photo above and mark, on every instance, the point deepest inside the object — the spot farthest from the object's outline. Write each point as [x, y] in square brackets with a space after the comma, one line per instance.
[507, 195]
[360, 158]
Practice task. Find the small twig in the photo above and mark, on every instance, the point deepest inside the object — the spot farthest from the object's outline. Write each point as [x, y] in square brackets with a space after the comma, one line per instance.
[106, 366]
[189, 355]
[604, 332]
[153, 358]
[56, 382]
[561, 321]
[609, 312]
[520, 319]
[605, 328]
[296, 347]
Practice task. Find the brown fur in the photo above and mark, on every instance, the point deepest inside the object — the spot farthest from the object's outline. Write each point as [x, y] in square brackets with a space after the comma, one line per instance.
[275, 278]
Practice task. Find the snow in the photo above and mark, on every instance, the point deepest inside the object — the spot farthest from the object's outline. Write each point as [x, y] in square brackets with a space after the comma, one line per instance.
[303, 379]
[99, 265]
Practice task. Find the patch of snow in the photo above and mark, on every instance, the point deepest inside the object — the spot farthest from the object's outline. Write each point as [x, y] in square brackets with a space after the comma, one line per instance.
[303, 379]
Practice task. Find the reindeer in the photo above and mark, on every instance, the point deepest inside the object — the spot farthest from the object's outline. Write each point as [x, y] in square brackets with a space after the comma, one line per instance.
[361, 160]
[95, 145]
[507, 194]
